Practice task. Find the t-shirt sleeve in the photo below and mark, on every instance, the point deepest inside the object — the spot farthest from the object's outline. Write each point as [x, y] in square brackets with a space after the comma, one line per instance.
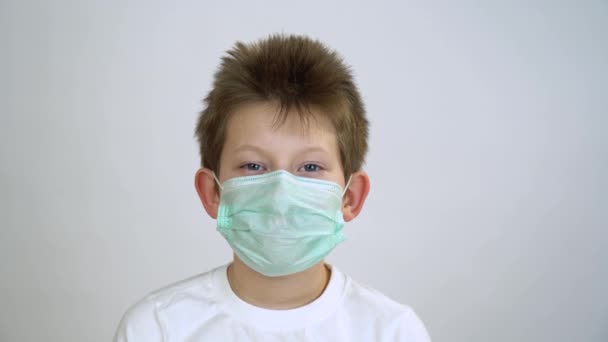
[140, 323]
[410, 328]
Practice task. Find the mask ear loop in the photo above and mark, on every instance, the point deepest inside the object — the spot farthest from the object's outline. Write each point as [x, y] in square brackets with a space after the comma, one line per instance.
[347, 184]
[217, 181]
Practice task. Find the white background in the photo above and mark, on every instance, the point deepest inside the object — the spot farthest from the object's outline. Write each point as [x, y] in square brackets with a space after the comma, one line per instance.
[489, 159]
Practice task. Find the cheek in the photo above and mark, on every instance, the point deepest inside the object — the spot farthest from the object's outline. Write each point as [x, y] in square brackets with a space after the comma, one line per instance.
[337, 176]
[224, 169]
[232, 168]
[338, 171]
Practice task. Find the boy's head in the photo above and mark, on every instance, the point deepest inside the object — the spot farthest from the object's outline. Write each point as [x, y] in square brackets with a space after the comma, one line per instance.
[285, 102]
[299, 76]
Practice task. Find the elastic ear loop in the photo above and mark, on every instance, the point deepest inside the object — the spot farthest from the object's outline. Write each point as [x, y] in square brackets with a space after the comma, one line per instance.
[217, 181]
[347, 184]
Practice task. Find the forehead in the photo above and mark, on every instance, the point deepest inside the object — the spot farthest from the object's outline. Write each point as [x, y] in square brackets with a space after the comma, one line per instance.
[260, 123]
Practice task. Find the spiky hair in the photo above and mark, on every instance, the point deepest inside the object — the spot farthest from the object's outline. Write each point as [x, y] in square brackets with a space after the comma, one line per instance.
[296, 72]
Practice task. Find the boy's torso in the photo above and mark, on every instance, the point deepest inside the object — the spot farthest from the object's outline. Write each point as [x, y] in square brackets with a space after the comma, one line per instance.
[204, 308]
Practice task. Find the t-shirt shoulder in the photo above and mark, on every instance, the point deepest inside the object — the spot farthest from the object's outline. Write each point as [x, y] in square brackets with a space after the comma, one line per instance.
[397, 322]
[143, 321]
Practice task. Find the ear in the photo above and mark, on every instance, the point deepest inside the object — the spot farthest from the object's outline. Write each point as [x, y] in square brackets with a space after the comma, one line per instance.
[355, 195]
[207, 191]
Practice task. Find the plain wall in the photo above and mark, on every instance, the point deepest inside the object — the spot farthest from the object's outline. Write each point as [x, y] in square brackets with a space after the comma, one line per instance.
[488, 212]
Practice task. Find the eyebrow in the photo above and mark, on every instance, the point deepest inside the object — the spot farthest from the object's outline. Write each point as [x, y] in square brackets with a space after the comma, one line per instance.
[248, 147]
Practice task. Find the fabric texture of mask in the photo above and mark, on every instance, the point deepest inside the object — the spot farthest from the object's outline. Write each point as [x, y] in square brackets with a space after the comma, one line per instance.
[278, 223]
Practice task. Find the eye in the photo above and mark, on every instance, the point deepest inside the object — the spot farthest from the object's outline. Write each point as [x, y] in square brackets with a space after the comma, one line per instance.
[310, 168]
[252, 167]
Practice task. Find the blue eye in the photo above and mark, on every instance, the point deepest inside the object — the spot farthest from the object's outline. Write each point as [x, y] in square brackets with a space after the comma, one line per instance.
[311, 168]
[252, 167]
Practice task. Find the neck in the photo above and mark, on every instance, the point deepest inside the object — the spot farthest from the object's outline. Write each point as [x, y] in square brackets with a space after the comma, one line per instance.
[278, 293]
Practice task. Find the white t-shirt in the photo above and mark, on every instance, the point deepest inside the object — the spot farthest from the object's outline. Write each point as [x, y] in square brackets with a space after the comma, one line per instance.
[204, 308]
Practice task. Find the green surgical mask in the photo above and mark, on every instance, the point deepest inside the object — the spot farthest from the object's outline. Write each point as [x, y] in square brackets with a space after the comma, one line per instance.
[278, 223]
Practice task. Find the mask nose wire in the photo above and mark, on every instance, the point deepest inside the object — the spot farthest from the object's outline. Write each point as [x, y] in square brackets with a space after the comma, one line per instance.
[343, 191]
[217, 181]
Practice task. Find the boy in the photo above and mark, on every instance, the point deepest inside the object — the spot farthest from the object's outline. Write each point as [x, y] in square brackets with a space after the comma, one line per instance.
[282, 142]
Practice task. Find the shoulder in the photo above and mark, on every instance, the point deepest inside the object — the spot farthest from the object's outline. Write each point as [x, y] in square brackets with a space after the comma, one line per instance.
[145, 321]
[139, 323]
[391, 320]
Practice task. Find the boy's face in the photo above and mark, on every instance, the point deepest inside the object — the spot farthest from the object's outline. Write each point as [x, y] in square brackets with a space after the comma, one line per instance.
[255, 144]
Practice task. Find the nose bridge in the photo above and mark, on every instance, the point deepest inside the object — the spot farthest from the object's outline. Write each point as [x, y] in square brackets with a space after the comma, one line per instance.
[282, 154]
[281, 163]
